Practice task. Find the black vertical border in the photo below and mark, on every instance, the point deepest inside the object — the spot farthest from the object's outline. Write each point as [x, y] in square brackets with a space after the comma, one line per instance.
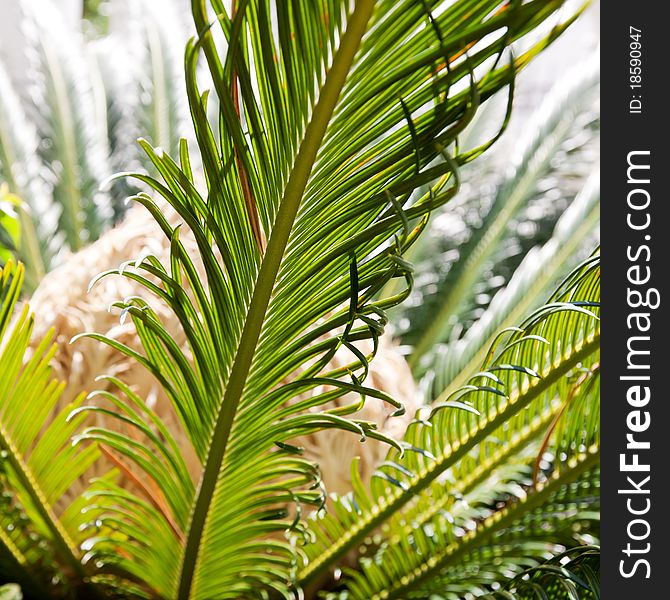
[623, 132]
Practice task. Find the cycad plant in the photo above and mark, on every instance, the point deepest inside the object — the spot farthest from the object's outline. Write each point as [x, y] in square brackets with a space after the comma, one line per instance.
[338, 135]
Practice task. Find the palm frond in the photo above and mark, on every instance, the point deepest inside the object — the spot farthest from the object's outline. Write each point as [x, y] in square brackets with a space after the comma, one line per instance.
[452, 364]
[572, 574]
[443, 305]
[141, 61]
[38, 464]
[465, 441]
[328, 123]
[472, 552]
[164, 108]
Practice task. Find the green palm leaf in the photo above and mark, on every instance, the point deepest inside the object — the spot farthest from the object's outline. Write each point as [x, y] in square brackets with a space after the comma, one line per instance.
[141, 62]
[280, 170]
[338, 133]
[572, 574]
[328, 124]
[525, 531]
[22, 173]
[163, 106]
[69, 117]
[453, 363]
[465, 443]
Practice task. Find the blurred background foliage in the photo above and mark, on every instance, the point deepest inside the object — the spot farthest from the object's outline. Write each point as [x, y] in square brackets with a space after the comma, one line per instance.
[498, 251]
[74, 101]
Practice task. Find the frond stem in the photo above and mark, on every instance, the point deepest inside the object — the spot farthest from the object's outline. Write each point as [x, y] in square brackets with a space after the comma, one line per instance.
[288, 210]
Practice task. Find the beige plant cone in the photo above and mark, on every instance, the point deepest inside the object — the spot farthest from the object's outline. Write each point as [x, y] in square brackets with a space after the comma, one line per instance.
[62, 302]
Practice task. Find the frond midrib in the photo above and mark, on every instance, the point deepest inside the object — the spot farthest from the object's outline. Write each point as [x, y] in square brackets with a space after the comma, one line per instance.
[293, 192]
[483, 470]
[492, 524]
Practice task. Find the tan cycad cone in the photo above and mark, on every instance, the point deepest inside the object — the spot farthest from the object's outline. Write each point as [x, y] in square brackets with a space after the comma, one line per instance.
[62, 302]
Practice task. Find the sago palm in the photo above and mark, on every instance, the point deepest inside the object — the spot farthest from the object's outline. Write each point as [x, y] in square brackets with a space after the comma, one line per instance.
[338, 135]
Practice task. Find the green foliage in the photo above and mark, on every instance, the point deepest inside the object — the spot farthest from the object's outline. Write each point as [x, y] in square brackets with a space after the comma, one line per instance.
[528, 287]
[38, 463]
[427, 500]
[65, 109]
[20, 176]
[10, 229]
[140, 62]
[338, 134]
[75, 119]
[456, 280]
[573, 574]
